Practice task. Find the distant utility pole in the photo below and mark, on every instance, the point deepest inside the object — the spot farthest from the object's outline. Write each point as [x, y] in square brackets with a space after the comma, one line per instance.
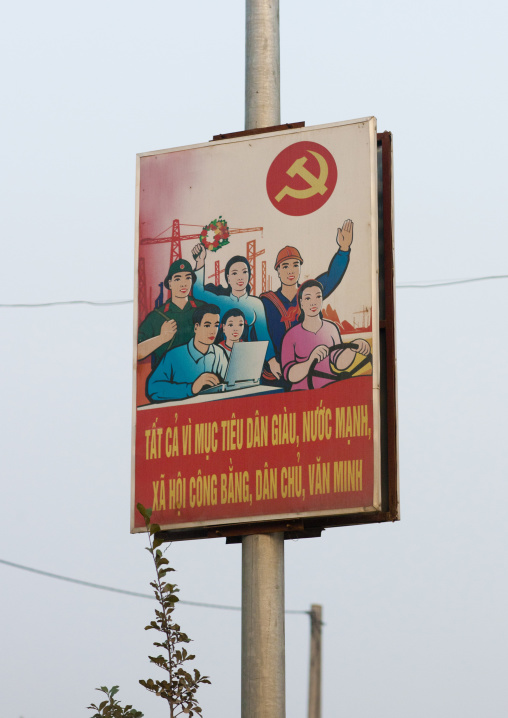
[263, 649]
[316, 622]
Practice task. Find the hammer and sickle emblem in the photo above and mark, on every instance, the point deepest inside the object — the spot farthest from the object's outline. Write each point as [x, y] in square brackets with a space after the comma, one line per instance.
[316, 184]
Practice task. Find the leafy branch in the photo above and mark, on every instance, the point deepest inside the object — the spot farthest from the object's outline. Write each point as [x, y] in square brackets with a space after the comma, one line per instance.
[111, 708]
[179, 686]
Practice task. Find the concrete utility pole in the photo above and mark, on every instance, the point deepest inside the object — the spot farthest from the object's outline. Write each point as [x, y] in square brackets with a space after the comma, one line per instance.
[262, 64]
[263, 651]
[316, 622]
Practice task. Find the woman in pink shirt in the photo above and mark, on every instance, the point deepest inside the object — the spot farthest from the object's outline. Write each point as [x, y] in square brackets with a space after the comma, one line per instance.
[311, 340]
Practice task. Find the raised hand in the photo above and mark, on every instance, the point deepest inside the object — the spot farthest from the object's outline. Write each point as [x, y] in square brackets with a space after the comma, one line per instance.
[345, 235]
[199, 254]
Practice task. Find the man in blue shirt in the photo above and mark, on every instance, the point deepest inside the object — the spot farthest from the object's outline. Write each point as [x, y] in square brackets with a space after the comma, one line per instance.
[186, 370]
[281, 307]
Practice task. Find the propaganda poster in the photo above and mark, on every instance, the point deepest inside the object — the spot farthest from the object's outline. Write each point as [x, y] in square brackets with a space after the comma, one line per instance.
[256, 371]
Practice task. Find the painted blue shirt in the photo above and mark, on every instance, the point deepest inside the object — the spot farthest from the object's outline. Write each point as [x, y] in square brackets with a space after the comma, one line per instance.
[179, 368]
[330, 280]
[252, 307]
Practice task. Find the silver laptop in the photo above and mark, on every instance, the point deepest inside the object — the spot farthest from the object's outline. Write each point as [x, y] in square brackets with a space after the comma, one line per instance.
[244, 369]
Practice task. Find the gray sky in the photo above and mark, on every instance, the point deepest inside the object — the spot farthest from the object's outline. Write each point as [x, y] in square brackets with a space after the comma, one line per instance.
[415, 612]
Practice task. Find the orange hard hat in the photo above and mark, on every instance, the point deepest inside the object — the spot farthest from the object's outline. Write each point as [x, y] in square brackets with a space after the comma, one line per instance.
[288, 253]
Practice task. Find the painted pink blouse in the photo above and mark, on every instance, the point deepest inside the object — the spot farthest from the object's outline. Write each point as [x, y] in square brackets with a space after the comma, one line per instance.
[298, 345]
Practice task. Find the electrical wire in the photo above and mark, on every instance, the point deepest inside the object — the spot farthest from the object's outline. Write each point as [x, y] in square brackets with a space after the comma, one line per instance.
[72, 301]
[101, 587]
[415, 285]
[423, 285]
[447, 283]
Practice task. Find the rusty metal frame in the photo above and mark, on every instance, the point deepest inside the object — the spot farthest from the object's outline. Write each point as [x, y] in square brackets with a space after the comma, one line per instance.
[259, 131]
[313, 526]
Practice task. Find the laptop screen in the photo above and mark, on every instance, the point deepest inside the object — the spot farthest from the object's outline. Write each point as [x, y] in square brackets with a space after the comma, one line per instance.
[245, 363]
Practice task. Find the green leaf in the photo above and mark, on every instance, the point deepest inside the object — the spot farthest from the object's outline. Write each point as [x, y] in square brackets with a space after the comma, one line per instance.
[145, 513]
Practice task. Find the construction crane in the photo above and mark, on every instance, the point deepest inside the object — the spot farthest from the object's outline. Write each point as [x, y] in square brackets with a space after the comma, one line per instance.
[176, 239]
[365, 321]
[216, 274]
[252, 255]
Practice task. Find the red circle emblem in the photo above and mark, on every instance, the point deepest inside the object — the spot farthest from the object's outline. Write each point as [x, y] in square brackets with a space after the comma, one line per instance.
[301, 178]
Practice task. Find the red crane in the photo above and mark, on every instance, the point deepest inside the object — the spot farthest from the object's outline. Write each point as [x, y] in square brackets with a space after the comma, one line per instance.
[176, 238]
[216, 274]
[251, 258]
[176, 246]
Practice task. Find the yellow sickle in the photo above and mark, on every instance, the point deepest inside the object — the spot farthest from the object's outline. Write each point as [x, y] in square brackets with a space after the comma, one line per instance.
[316, 184]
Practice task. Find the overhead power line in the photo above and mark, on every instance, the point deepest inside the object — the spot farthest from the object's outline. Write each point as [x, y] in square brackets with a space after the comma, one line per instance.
[101, 587]
[424, 284]
[446, 283]
[72, 301]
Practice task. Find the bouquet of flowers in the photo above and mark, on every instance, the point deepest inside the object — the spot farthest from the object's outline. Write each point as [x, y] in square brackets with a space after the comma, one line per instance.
[215, 235]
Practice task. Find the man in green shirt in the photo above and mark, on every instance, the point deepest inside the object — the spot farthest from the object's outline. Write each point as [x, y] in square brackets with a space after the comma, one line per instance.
[170, 325]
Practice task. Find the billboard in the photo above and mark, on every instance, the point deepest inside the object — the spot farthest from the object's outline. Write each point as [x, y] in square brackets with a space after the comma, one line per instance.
[257, 384]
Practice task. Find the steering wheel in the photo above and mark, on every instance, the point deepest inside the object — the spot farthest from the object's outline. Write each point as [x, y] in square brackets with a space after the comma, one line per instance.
[346, 374]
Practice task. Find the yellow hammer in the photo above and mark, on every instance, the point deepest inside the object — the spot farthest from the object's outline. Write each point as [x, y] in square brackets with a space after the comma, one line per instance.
[316, 184]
